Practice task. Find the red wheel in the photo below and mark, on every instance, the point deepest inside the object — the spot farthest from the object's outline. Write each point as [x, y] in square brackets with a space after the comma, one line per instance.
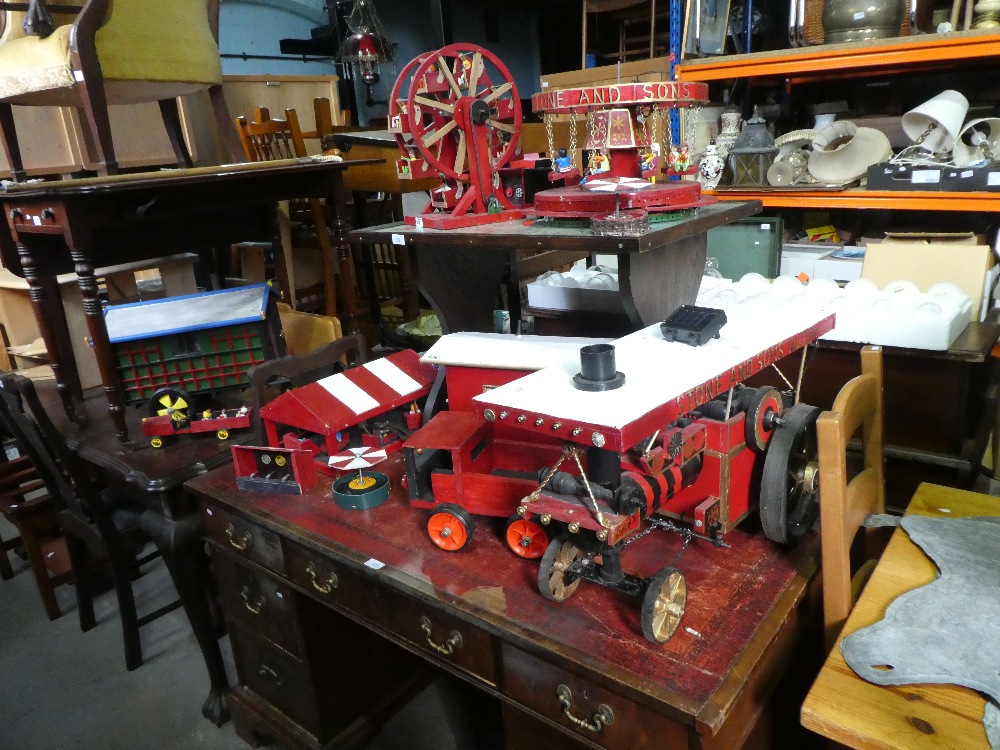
[450, 527]
[526, 537]
[462, 72]
[765, 405]
[397, 99]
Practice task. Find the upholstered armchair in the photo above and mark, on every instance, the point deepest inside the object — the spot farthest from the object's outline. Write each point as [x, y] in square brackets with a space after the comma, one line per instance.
[89, 54]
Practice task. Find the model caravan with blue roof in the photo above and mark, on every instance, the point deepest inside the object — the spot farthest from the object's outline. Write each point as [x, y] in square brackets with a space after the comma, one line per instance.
[194, 344]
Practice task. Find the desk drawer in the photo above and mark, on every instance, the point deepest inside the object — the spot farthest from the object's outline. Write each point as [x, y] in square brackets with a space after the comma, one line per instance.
[278, 678]
[328, 581]
[263, 604]
[558, 695]
[244, 539]
[437, 634]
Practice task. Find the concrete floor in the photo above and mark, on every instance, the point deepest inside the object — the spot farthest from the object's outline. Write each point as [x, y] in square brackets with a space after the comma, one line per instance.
[62, 688]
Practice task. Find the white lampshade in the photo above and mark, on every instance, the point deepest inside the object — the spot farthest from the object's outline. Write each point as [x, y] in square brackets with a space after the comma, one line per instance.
[945, 113]
[978, 133]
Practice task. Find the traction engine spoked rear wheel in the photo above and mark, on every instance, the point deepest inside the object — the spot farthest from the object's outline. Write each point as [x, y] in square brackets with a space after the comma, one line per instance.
[450, 527]
[663, 605]
[789, 489]
[553, 581]
[526, 537]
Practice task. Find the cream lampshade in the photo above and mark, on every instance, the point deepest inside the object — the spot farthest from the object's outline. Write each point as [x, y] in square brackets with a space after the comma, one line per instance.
[978, 142]
[936, 123]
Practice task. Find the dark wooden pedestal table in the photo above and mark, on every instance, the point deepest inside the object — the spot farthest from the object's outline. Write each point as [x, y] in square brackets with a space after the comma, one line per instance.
[460, 270]
[58, 227]
[155, 478]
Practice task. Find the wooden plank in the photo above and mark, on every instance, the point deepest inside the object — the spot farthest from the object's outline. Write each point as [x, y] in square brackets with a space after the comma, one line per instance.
[848, 710]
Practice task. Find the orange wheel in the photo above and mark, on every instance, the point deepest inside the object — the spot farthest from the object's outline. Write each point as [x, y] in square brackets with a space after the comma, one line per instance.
[450, 527]
[526, 537]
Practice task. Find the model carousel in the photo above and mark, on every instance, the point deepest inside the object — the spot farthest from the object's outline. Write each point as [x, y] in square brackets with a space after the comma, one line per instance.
[618, 191]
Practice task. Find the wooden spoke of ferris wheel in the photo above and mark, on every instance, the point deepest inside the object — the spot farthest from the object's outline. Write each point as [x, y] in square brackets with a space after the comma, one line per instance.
[440, 133]
[460, 153]
[446, 72]
[434, 104]
[498, 92]
[501, 126]
[477, 66]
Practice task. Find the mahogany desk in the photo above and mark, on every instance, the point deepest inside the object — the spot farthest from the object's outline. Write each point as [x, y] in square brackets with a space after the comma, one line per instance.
[856, 713]
[155, 478]
[460, 270]
[83, 224]
[305, 585]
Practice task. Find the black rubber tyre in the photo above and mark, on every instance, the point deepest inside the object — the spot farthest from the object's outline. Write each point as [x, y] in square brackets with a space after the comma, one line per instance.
[553, 582]
[789, 489]
[663, 605]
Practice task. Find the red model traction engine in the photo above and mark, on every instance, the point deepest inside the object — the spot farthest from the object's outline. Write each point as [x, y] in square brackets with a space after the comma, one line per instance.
[579, 462]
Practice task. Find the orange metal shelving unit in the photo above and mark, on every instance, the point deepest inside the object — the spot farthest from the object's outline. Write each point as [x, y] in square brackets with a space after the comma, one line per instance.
[908, 53]
[871, 199]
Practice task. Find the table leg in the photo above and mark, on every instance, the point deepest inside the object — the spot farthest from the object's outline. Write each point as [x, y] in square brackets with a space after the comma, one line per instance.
[180, 542]
[44, 295]
[94, 312]
[460, 284]
[653, 284]
[342, 245]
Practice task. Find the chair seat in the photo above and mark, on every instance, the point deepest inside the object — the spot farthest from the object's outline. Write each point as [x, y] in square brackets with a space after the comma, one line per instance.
[34, 66]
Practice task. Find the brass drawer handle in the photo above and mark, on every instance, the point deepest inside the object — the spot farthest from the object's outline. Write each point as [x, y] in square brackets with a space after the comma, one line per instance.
[450, 646]
[266, 671]
[240, 542]
[258, 603]
[603, 716]
[331, 583]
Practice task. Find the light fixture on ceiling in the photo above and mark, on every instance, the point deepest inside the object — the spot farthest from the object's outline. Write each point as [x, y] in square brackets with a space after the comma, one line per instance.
[366, 49]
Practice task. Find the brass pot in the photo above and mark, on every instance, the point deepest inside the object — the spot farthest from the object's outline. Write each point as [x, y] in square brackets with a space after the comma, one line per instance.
[853, 20]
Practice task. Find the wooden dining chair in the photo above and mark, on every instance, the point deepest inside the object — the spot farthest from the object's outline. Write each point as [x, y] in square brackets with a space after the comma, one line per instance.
[265, 139]
[270, 379]
[89, 54]
[306, 332]
[846, 502]
[94, 522]
[25, 503]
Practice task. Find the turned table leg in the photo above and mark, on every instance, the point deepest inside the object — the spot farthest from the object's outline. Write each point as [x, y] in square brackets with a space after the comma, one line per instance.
[94, 313]
[43, 291]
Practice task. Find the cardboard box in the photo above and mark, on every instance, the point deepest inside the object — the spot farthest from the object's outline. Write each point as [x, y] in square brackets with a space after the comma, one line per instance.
[637, 71]
[840, 270]
[927, 263]
[574, 298]
[888, 176]
[936, 238]
[800, 258]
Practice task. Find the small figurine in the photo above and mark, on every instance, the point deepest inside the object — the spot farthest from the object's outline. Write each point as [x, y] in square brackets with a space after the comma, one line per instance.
[679, 159]
[597, 164]
[562, 162]
[650, 160]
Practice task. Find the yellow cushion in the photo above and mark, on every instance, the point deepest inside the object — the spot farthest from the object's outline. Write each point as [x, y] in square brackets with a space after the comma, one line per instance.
[166, 41]
[146, 53]
[30, 63]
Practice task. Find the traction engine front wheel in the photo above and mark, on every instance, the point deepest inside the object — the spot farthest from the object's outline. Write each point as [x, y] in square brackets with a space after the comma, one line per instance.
[526, 537]
[450, 527]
